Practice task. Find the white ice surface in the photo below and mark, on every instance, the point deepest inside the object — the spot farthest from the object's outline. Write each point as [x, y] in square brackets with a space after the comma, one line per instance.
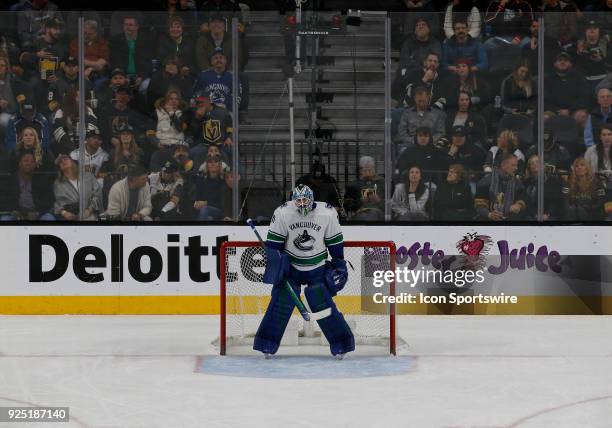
[128, 371]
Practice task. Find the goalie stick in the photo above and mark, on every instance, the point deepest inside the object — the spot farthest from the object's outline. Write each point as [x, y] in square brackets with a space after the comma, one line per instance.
[306, 314]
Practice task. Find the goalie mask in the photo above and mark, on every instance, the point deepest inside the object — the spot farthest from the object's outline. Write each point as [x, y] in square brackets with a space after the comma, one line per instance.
[303, 199]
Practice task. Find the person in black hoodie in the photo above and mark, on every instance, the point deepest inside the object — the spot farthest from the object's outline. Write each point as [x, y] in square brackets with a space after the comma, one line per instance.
[453, 199]
[566, 89]
[422, 154]
[463, 151]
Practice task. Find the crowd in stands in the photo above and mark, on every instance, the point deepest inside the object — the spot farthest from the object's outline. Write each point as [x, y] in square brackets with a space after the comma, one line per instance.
[159, 114]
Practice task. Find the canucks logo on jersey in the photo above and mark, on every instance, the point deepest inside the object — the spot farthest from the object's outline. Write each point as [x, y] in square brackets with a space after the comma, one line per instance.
[304, 242]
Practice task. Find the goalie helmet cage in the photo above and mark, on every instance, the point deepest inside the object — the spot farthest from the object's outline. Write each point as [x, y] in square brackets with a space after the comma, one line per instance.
[244, 298]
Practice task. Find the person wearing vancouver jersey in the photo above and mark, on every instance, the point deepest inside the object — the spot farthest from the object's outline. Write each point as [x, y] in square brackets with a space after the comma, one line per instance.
[302, 234]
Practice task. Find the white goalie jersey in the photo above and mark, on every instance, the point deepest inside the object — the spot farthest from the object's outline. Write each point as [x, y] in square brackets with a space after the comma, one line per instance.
[306, 238]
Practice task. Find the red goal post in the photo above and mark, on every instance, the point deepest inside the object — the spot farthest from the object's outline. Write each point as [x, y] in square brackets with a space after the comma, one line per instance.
[244, 297]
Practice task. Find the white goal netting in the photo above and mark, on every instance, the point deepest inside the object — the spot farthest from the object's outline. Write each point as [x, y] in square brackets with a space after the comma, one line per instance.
[244, 299]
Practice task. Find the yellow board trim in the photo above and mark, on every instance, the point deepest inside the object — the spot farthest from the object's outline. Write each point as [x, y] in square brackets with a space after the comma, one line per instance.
[210, 305]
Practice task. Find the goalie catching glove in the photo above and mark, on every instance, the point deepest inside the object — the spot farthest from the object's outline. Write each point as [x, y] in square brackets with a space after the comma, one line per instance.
[336, 275]
[277, 266]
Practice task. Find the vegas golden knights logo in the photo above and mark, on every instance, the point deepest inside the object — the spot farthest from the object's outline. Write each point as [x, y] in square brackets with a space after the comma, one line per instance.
[212, 130]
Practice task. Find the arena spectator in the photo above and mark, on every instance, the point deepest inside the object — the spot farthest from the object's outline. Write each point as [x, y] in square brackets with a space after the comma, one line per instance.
[130, 198]
[65, 123]
[184, 9]
[209, 124]
[411, 198]
[462, 10]
[566, 90]
[176, 43]
[463, 151]
[218, 82]
[225, 8]
[421, 115]
[598, 116]
[216, 38]
[600, 158]
[126, 151]
[413, 10]
[323, 185]
[169, 77]
[27, 116]
[167, 193]
[553, 201]
[465, 80]
[583, 194]
[31, 18]
[557, 158]
[365, 198]
[507, 143]
[474, 123]
[178, 152]
[209, 192]
[66, 192]
[561, 20]
[416, 47]
[453, 199]
[107, 95]
[29, 194]
[500, 195]
[507, 22]
[422, 153]
[119, 114]
[132, 51]
[29, 142]
[429, 77]
[593, 51]
[519, 91]
[170, 120]
[49, 45]
[94, 155]
[199, 164]
[462, 46]
[96, 53]
[10, 86]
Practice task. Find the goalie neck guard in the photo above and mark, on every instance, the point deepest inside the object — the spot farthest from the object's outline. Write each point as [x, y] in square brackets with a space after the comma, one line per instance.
[303, 199]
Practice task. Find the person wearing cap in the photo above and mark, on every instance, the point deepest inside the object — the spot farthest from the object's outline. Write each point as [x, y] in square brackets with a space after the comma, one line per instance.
[27, 116]
[97, 51]
[209, 124]
[566, 88]
[31, 20]
[461, 150]
[179, 152]
[95, 156]
[217, 82]
[364, 198]
[106, 95]
[593, 53]
[423, 154]
[217, 37]
[48, 45]
[66, 192]
[556, 156]
[462, 45]
[130, 198]
[167, 192]
[415, 48]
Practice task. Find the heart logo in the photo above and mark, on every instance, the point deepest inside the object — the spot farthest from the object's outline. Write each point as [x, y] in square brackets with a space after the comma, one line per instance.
[472, 248]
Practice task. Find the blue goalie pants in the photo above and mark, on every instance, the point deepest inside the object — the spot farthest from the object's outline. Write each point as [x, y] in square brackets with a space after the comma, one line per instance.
[273, 325]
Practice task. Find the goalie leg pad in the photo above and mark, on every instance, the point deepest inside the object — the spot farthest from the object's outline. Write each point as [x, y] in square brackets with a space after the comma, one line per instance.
[275, 320]
[334, 327]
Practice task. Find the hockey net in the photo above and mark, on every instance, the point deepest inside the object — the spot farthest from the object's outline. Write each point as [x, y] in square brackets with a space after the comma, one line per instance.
[244, 299]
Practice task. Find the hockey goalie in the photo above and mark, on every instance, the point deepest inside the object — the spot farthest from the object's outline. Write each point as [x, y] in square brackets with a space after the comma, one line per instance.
[301, 236]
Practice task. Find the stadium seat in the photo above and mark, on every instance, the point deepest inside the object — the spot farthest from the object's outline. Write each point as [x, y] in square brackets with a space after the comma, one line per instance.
[521, 125]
